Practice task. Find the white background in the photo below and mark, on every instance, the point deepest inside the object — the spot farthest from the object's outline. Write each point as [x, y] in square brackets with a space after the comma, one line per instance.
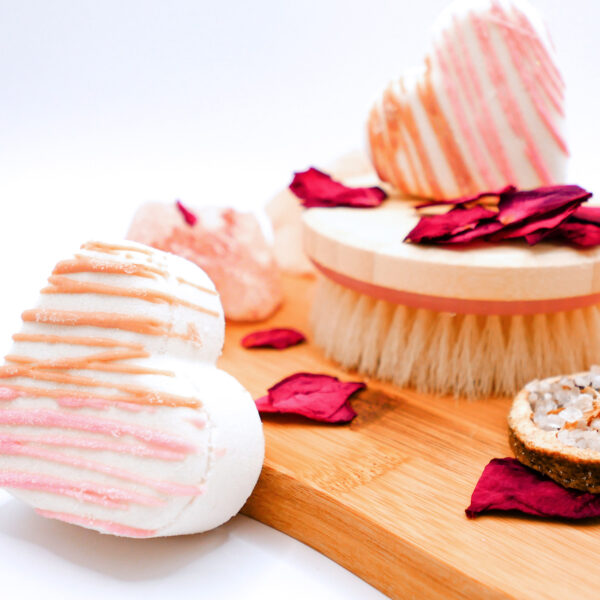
[106, 104]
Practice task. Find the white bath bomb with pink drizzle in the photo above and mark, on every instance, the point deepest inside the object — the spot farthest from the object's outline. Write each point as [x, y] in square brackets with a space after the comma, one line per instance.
[113, 415]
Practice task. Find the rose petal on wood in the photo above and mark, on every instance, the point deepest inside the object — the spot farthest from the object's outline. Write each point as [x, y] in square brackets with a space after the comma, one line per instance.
[506, 484]
[316, 396]
[278, 338]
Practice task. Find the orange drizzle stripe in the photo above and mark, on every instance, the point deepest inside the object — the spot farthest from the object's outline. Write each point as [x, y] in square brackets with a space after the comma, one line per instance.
[128, 265]
[65, 285]
[73, 340]
[102, 247]
[86, 265]
[444, 134]
[377, 144]
[418, 187]
[413, 131]
[391, 115]
[151, 399]
[198, 287]
[91, 366]
[127, 368]
[68, 362]
[142, 325]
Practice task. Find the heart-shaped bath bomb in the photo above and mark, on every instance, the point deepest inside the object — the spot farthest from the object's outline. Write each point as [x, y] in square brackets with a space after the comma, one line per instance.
[113, 414]
[486, 110]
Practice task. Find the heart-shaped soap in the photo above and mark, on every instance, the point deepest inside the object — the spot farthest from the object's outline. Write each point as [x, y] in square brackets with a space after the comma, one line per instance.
[485, 110]
[113, 414]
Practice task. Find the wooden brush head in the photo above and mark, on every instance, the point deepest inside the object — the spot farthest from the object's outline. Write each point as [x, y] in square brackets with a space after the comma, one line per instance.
[363, 249]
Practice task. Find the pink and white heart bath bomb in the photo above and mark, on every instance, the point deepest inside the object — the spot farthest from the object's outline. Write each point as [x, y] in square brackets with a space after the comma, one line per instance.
[113, 415]
[485, 110]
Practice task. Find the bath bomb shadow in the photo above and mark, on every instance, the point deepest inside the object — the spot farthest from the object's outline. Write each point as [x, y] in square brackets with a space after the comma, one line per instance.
[123, 559]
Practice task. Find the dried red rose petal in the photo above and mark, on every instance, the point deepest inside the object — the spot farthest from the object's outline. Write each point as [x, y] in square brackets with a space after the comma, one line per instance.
[536, 229]
[551, 212]
[316, 396]
[315, 188]
[584, 235]
[468, 199]
[189, 217]
[480, 232]
[519, 206]
[279, 338]
[506, 484]
[455, 221]
[587, 214]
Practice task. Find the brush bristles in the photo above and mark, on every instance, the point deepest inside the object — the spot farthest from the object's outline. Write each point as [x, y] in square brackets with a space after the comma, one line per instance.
[441, 353]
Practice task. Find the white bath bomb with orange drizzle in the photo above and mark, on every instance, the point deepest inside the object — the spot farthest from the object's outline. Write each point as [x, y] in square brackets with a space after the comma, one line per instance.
[113, 415]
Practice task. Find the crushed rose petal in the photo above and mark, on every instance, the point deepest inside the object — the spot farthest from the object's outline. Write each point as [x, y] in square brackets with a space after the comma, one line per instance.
[454, 222]
[279, 338]
[517, 206]
[316, 396]
[315, 188]
[546, 213]
[506, 484]
[189, 217]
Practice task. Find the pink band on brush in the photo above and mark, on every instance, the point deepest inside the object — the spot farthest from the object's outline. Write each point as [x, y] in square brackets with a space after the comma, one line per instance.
[459, 305]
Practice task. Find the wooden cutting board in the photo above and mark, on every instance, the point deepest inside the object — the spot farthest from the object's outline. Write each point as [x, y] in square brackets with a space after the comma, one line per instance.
[385, 495]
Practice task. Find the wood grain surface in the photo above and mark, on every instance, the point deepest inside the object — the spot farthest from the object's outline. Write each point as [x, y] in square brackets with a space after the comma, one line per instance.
[385, 495]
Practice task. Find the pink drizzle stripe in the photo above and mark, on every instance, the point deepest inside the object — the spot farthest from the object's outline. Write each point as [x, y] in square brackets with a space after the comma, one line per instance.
[540, 50]
[109, 497]
[14, 448]
[463, 122]
[483, 117]
[457, 305]
[107, 526]
[530, 85]
[525, 41]
[95, 444]
[506, 98]
[48, 418]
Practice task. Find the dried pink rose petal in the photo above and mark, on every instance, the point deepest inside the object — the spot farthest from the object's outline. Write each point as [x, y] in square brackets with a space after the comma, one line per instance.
[315, 188]
[440, 227]
[229, 245]
[316, 396]
[189, 217]
[278, 337]
[506, 484]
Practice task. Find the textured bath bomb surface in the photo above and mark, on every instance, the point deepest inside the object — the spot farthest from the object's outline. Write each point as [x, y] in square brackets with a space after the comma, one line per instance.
[113, 414]
[229, 245]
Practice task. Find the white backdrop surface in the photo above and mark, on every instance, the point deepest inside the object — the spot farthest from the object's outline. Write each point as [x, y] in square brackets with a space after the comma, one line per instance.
[105, 104]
